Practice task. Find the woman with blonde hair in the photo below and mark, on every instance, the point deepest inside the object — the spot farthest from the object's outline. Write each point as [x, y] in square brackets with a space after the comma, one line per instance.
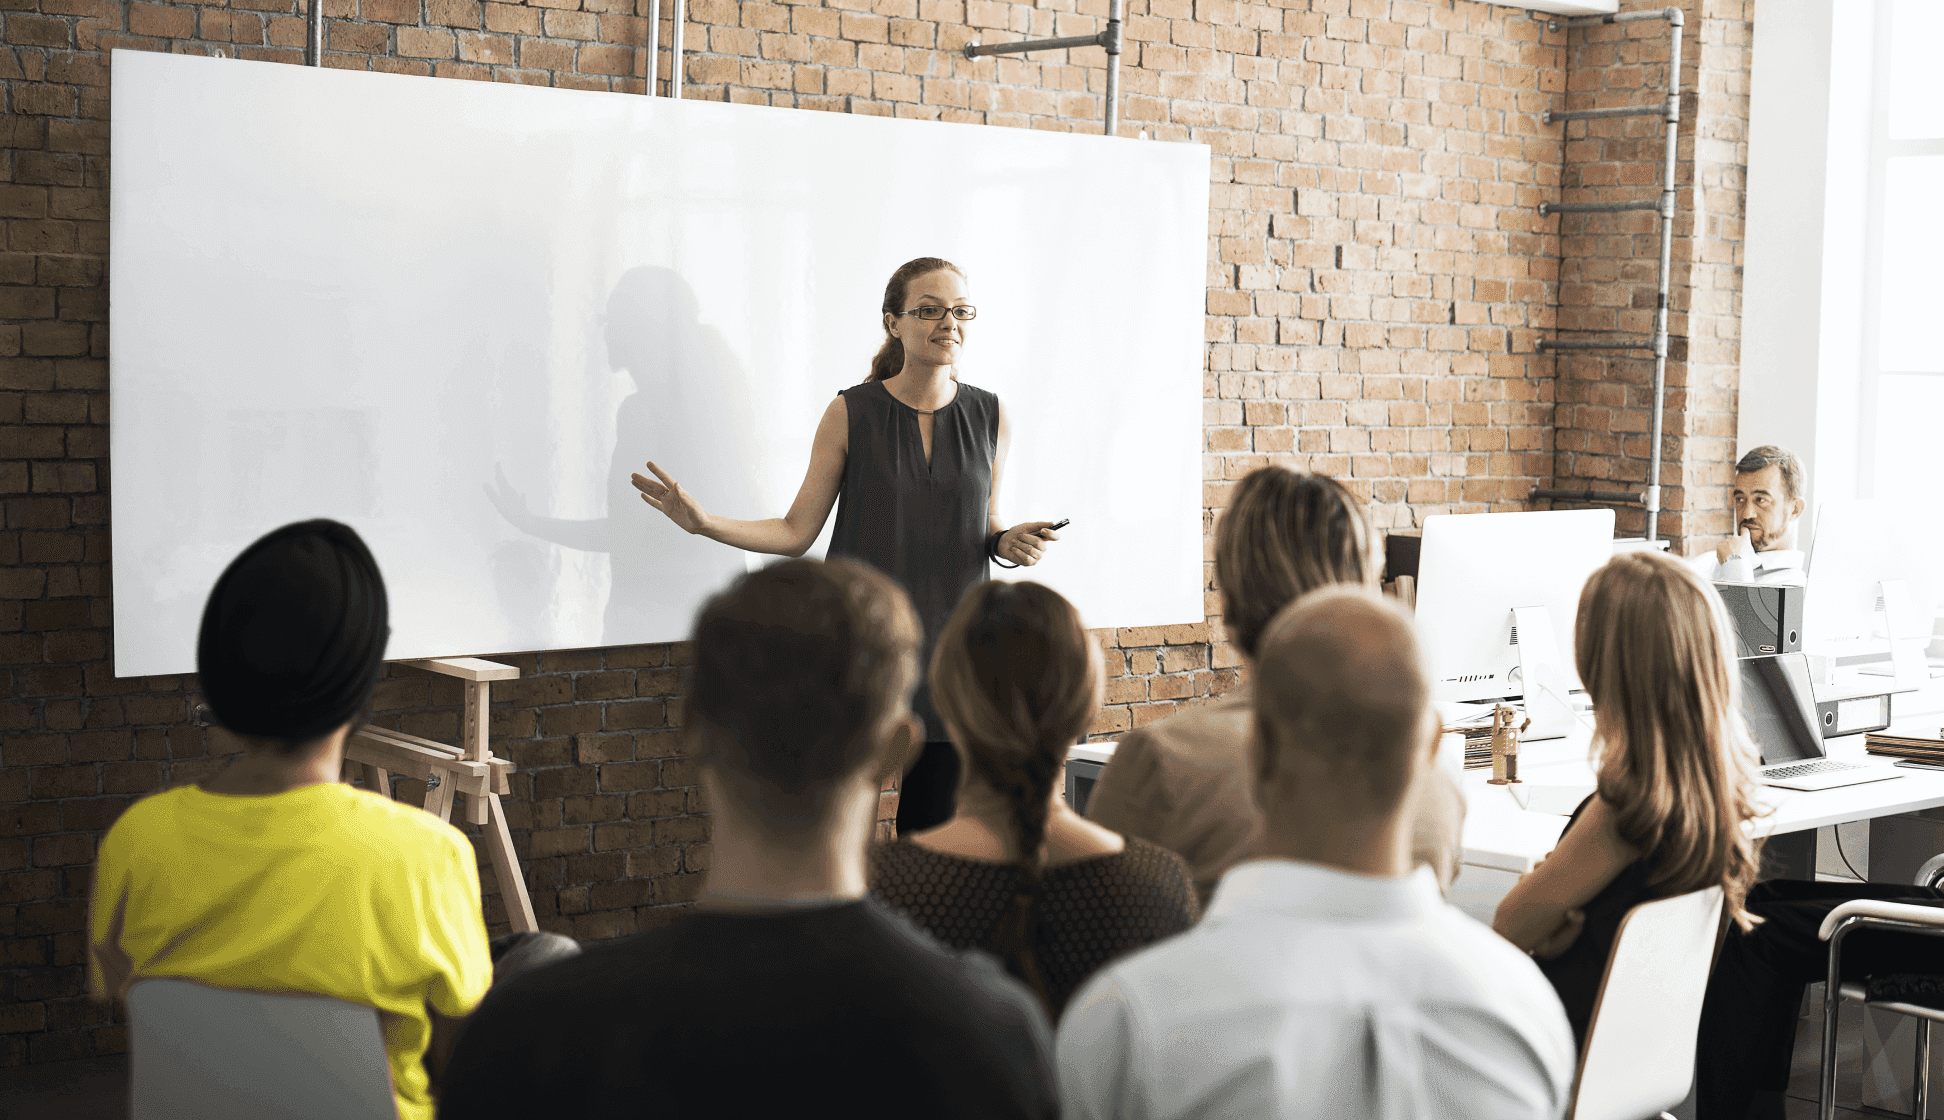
[1017, 680]
[1675, 769]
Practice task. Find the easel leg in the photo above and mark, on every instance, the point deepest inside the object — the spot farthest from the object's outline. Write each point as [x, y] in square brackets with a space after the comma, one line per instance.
[506, 868]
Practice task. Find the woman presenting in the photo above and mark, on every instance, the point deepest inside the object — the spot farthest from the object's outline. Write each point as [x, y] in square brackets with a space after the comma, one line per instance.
[911, 459]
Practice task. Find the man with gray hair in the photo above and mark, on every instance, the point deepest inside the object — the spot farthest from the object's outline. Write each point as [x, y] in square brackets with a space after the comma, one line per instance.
[1327, 978]
[1769, 498]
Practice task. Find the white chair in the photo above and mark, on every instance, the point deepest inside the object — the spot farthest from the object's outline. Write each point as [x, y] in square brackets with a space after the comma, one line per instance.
[1639, 1056]
[1904, 917]
[215, 1054]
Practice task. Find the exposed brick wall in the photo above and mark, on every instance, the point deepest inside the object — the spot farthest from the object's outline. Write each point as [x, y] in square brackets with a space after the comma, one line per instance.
[1608, 264]
[1377, 278]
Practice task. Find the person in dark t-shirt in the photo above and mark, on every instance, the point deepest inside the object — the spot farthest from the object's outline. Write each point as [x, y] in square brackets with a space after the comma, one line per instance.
[788, 992]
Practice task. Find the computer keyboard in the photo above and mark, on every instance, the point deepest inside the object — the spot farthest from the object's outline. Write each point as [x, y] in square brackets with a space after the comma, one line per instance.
[1801, 769]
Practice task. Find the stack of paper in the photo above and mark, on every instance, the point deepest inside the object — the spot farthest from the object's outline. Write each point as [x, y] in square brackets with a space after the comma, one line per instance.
[1924, 742]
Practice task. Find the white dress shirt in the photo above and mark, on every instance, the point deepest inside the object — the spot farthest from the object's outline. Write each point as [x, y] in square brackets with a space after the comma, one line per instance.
[1782, 565]
[1312, 992]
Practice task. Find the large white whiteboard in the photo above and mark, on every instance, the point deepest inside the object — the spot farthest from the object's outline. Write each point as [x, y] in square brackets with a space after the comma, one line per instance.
[458, 315]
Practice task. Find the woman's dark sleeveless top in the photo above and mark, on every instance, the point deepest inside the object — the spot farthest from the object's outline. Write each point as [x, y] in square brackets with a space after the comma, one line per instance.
[1576, 973]
[923, 525]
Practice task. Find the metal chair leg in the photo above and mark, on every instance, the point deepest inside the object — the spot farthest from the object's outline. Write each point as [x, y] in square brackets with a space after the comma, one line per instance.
[1832, 1001]
[1920, 1080]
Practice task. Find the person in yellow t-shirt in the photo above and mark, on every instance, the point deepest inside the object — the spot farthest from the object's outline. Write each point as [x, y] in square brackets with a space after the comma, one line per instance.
[272, 875]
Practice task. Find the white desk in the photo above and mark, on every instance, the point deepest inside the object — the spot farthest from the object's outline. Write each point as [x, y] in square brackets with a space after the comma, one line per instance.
[1503, 838]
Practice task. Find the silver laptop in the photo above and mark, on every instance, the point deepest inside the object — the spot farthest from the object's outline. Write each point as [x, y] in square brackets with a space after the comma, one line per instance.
[1781, 712]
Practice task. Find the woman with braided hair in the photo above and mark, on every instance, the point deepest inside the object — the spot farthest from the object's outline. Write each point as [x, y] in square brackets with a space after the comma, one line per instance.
[1017, 680]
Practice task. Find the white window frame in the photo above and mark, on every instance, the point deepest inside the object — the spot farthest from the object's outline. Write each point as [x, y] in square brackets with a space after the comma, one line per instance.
[1883, 148]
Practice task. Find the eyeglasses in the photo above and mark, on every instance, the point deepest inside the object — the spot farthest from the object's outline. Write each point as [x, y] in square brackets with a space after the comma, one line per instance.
[933, 312]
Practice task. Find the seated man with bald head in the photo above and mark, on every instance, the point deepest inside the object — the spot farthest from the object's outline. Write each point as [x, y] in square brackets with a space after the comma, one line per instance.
[1327, 977]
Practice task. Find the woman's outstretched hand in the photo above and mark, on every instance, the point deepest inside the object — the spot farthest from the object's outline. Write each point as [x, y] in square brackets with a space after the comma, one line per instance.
[1026, 542]
[668, 496]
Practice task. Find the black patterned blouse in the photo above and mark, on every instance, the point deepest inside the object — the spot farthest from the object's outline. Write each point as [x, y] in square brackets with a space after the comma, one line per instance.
[1091, 911]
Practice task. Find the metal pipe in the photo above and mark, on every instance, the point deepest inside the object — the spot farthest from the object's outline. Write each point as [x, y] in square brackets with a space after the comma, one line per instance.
[1672, 129]
[1641, 343]
[654, 46]
[314, 36]
[974, 50]
[1111, 39]
[1108, 37]
[675, 50]
[1546, 208]
[1670, 112]
[1663, 111]
[1604, 496]
[1672, 15]
[1549, 116]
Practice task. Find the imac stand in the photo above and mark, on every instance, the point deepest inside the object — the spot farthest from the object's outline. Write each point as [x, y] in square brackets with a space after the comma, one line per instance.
[1906, 657]
[1541, 676]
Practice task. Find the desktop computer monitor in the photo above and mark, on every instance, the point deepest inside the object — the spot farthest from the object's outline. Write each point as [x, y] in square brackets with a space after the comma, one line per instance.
[1859, 544]
[1475, 569]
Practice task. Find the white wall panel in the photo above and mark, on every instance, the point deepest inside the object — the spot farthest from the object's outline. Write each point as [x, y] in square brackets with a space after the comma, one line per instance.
[458, 315]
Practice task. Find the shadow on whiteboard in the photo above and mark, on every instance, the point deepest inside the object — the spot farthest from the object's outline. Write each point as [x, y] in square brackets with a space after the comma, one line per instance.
[690, 405]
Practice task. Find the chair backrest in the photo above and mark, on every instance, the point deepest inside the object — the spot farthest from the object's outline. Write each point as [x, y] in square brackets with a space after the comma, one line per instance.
[1639, 1055]
[217, 1054]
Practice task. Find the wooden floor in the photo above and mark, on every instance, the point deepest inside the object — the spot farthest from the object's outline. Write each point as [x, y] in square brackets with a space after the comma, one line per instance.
[97, 1088]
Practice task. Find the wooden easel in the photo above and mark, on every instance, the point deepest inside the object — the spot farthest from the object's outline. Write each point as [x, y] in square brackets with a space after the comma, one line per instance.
[468, 768]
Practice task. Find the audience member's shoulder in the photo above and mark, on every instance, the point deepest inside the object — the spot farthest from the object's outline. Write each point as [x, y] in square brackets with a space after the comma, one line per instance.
[1153, 862]
[148, 813]
[405, 831]
[973, 977]
[887, 856]
[1220, 720]
[1483, 967]
[595, 975]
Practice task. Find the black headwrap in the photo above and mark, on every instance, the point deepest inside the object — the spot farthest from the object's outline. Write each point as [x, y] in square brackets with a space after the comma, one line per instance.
[294, 633]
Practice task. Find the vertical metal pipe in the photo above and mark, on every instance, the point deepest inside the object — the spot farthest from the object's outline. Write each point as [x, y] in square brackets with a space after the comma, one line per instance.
[1112, 42]
[1672, 129]
[314, 37]
[675, 50]
[654, 46]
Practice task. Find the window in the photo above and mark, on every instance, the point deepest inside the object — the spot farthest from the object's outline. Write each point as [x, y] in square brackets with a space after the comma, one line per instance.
[1902, 362]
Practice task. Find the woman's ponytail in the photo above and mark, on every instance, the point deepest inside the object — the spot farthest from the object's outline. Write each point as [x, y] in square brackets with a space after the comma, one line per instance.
[889, 360]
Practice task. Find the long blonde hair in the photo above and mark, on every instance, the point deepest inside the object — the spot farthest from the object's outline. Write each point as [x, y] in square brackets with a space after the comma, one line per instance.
[1017, 679]
[1654, 649]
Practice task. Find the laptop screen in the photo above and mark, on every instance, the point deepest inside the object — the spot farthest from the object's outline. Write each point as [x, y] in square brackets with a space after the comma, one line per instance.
[1780, 708]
